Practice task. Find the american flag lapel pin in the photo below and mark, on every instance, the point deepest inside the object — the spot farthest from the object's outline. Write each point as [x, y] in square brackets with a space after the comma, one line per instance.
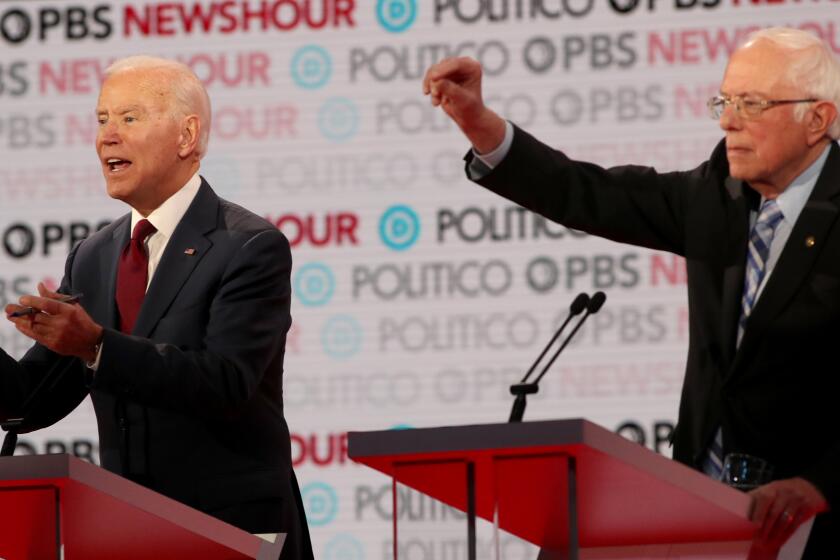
[189, 251]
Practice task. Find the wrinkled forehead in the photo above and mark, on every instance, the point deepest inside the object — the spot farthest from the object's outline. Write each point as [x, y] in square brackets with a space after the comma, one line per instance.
[760, 68]
[140, 87]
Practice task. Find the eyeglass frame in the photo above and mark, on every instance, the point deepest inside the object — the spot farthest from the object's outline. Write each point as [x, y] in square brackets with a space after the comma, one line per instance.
[717, 105]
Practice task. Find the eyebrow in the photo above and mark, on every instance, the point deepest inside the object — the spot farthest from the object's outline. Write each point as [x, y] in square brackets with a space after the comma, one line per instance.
[744, 94]
[122, 110]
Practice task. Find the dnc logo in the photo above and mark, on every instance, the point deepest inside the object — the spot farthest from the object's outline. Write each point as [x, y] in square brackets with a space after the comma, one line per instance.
[396, 15]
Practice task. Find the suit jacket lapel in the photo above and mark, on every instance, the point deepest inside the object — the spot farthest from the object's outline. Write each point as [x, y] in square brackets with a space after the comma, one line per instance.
[800, 252]
[177, 263]
[738, 218]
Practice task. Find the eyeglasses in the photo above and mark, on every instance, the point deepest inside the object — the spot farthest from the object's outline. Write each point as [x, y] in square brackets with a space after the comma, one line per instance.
[749, 108]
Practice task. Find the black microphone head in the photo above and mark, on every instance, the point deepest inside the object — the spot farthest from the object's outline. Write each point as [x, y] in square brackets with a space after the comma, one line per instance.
[580, 303]
[596, 301]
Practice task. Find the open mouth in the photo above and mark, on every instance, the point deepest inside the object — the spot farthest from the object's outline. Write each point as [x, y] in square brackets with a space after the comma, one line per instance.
[117, 164]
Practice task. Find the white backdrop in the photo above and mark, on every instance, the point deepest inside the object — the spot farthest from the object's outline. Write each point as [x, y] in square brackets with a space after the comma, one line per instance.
[418, 297]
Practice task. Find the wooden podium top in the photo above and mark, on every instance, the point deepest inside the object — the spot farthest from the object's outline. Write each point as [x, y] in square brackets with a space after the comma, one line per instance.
[626, 494]
[103, 515]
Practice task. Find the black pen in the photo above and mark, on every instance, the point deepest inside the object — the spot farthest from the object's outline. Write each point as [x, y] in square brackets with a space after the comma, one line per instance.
[72, 298]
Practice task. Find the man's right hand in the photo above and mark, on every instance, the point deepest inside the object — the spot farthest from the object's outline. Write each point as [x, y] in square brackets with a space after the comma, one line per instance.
[64, 328]
[455, 85]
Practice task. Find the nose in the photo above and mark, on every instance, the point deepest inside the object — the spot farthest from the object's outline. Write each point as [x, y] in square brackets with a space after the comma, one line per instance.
[730, 119]
[108, 133]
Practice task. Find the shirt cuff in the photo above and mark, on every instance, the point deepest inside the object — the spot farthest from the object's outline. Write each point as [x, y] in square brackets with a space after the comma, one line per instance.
[94, 365]
[482, 164]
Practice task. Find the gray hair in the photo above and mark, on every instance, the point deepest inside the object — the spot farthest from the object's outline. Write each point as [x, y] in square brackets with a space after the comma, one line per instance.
[814, 68]
[187, 90]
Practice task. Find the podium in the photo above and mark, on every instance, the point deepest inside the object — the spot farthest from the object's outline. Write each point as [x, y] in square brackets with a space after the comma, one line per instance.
[58, 506]
[570, 487]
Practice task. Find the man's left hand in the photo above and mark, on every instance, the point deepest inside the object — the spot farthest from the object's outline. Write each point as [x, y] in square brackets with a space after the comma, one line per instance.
[783, 505]
[64, 328]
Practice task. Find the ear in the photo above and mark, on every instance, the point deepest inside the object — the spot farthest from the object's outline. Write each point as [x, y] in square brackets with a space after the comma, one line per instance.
[819, 120]
[188, 139]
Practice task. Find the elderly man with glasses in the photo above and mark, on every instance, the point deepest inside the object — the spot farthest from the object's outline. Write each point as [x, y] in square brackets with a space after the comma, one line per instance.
[759, 226]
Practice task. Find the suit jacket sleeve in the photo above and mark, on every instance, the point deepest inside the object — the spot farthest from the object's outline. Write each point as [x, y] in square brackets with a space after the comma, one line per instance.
[63, 386]
[630, 204]
[247, 321]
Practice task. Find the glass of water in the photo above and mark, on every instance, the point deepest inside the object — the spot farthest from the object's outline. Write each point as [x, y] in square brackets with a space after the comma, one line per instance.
[746, 472]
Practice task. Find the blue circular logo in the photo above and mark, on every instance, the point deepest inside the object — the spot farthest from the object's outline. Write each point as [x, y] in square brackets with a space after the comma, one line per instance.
[338, 119]
[341, 337]
[344, 547]
[399, 227]
[311, 67]
[320, 503]
[314, 284]
[396, 15]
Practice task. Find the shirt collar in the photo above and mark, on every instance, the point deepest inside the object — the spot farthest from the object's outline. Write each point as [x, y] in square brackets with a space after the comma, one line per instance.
[793, 198]
[166, 217]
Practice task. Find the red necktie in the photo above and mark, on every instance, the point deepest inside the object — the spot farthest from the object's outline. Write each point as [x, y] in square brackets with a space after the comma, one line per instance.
[133, 275]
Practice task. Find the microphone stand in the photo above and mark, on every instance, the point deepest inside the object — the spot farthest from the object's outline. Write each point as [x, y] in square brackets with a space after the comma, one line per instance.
[523, 388]
[13, 425]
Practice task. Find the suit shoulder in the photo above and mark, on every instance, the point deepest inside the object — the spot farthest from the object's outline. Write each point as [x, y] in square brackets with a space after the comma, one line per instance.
[713, 171]
[717, 166]
[242, 225]
[239, 219]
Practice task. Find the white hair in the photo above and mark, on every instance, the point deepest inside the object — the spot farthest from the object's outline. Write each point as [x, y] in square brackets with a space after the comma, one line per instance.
[187, 90]
[814, 68]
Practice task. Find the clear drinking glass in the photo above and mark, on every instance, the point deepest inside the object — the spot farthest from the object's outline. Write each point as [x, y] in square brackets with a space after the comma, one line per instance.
[745, 472]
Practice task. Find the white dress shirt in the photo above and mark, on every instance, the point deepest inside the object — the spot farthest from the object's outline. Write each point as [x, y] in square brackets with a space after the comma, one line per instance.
[165, 218]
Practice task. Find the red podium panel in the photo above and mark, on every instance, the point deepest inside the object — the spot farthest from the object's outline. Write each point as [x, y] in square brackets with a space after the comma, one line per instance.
[93, 514]
[619, 493]
[29, 527]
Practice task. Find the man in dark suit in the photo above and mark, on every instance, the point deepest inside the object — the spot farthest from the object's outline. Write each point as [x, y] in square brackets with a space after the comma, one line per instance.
[758, 226]
[180, 332]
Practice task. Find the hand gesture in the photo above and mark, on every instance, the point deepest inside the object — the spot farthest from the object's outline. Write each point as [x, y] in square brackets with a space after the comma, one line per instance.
[454, 84]
[64, 328]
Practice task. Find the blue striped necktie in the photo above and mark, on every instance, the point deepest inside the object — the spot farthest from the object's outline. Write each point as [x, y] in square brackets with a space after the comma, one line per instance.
[761, 236]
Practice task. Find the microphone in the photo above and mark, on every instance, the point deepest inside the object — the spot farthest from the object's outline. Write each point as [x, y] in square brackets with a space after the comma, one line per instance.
[595, 303]
[581, 302]
[521, 389]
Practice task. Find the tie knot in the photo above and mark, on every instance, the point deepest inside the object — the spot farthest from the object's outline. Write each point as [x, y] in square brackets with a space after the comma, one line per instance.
[142, 230]
[769, 215]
